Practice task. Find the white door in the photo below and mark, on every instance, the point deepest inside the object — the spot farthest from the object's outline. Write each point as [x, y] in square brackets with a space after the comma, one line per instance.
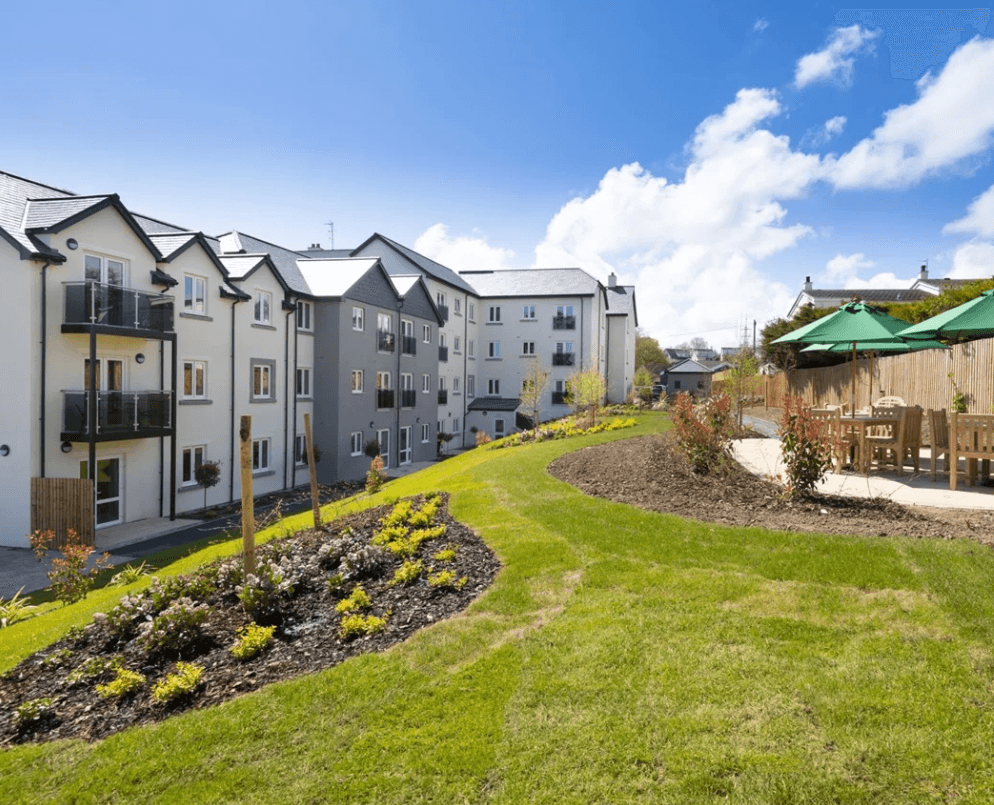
[405, 445]
[108, 489]
[383, 437]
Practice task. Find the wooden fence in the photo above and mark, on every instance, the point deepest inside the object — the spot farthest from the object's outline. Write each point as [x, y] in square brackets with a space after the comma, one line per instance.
[919, 378]
[60, 504]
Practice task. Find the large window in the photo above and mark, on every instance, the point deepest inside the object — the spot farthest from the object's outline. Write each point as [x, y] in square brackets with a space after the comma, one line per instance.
[263, 307]
[260, 455]
[105, 270]
[303, 382]
[194, 380]
[493, 316]
[564, 310]
[528, 312]
[358, 318]
[357, 381]
[263, 383]
[355, 445]
[493, 387]
[305, 316]
[195, 295]
[193, 457]
[493, 349]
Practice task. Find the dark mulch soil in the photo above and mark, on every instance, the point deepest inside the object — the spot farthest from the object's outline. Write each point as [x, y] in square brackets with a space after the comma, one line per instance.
[651, 473]
[306, 638]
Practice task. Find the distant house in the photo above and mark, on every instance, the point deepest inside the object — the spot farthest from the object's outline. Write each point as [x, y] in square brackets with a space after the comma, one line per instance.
[689, 376]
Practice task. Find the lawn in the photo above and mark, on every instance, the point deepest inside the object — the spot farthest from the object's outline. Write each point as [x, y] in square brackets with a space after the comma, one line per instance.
[621, 656]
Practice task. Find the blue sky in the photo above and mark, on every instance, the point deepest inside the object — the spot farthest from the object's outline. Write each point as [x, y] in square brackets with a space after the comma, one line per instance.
[713, 154]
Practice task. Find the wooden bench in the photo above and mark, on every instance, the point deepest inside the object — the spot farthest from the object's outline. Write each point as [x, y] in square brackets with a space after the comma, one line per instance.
[971, 436]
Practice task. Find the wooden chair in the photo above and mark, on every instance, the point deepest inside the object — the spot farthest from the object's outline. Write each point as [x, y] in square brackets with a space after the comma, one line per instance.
[830, 418]
[889, 402]
[887, 439]
[939, 427]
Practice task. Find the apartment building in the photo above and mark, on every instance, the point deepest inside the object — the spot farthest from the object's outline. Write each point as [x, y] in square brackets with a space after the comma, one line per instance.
[138, 346]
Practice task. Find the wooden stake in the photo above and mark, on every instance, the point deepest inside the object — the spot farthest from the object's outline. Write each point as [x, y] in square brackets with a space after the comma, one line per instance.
[248, 502]
[313, 471]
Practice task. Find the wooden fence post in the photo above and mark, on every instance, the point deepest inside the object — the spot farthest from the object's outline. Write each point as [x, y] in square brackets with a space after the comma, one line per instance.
[313, 471]
[248, 502]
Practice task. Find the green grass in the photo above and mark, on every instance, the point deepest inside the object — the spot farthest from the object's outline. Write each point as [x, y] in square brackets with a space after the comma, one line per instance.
[621, 656]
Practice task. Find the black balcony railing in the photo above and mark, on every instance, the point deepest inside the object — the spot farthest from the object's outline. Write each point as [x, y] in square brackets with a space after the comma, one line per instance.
[112, 306]
[559, 398]
[409, 345]
[443, 396]
[408, 398]
[444, 311]
[120, 415]
[562, 358]
[384, 341]
[384, 398]
[564, 322]
[443, 353]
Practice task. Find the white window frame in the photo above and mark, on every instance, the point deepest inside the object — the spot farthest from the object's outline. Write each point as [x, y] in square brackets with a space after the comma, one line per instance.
[426, 333]
[455, 385]
[303, 390]
[528, 348]
[457, 306]
[193, 301]
[456, 344]
[357, 381]
[104, 269]
[472, 312]
[498, 428]
[356, 443]
[441, 382]
[264, 373]
[262, 312]
[470, 348]
[528, 313]
[262, 448]
[194, 364]
[358, 318]
[564, 310]
[471, 386]
[305, 316]
[493, 387]
[192, 451]
[493, 314]
[493, 350]
[426, 384]
[425, 433]
[300, 449]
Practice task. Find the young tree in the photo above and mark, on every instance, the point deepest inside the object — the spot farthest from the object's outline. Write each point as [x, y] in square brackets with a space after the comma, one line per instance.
[642, 384]
[587, 390]
[742, 376]
[533, 386]
[649, 354]
[208, 475]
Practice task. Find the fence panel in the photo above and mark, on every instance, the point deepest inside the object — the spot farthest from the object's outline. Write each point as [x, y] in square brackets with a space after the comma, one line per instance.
[60, 504]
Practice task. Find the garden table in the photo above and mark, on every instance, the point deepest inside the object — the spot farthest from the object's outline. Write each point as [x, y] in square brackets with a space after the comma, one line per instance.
[858, 425]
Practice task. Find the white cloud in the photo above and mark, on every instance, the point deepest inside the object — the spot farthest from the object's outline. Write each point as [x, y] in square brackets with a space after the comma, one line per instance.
[834, 62]
[840, 270]
[973, 260]
[462, 253]
[820, 135]
[979, 218]
[953, 119]
[760, 25]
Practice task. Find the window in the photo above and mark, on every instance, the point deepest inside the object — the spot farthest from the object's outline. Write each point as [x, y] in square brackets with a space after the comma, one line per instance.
[305, 313]
[457, 306]
[356, 443]
[383, 381]
[441, 383]
[470, 385]
[528, 348]
[455, 385]
[357, 381]
[193, 457]
[493, 387]
[263, 307]
[384, 330]
[441, 339]
[195, 380]
[195, 295]
[494, 315]
[455, 423]
[384, 322]
[472, 312]
[407, 328]
[384, 390]
[528, 312]
[105, 270]
[263, 387]
[676, 384]
[358, 318]
[470, 347]
[407, 393]
[260, 455]
[564, 310]
[426, 384]
[303, 382]
[493, 349]
[440, 299]
[564, 346]
[426, 333]
[300, 449]
[498, 428]
[425, 433]
[456, 344]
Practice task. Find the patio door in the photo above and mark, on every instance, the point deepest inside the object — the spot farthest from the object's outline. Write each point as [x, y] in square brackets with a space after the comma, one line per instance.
[383, 437]
[405, 445]
[108, 488]
[110, 385]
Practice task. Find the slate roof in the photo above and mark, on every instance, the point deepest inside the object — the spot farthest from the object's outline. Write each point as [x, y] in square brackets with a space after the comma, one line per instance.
[621, 301]
[534, 282]
[239, 266]
[285, 260]
[495, 404]
[689, 367]
[14, 195]
[169, 244]
[423, 264]
[42, 214]
[868, 294]
[334, 277]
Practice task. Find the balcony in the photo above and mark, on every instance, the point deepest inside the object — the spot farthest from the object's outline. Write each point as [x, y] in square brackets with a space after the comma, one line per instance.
[120, 415]
[408, 345]
[559, 398]
[384, 398]
[443, 396]
[444, 312]
[384, 341]
[564, 322]
[562, 358]
[408, 398]
[443, 353]
[115, 310]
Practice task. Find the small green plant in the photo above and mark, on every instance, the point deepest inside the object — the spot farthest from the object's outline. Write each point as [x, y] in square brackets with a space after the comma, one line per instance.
[92, 668]
[76, 634]
[446, 578]
[335, 582]
[251, 640]
[447, 554]
[175, 627]
[57, 658]
[262, 591]
[129, 574]
[390, 533]
[958, 403]
[182, 683]
[359, 625]
[806, 450]
[398, 515]
[32, 711]
[124, 682]
[424, 516]
[71, 580]
[359, 599]
[14, 610]
[376, 476]
[407, 573]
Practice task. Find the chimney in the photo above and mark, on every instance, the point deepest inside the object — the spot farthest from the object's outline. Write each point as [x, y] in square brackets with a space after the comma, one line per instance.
[807, 284]
[612, 280]
[923, 274]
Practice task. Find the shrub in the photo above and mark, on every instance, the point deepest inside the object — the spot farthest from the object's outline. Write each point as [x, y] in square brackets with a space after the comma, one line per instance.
[482, 438]
[182, 683]
[358, 625]
[407, 572]
[398, 515]
[366, 562]
[376, 476]
[176, 627]
[71, 580]
[359, 599]
[704, 432]
[447, 554]
[91, 669]
[390, 534]
[446, 578]
[124, 683]
[424, 516]
[251, 640]
[807, 452]
[57, 658]
[14, 610]
[261, 593]
[129, 575]
[122, 620]
[32, 711]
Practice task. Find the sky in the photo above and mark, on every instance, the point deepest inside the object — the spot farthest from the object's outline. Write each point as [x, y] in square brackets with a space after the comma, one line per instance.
[713, 154]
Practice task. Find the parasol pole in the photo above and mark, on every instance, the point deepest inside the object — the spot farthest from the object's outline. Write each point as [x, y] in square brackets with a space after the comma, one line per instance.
[852, 406]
